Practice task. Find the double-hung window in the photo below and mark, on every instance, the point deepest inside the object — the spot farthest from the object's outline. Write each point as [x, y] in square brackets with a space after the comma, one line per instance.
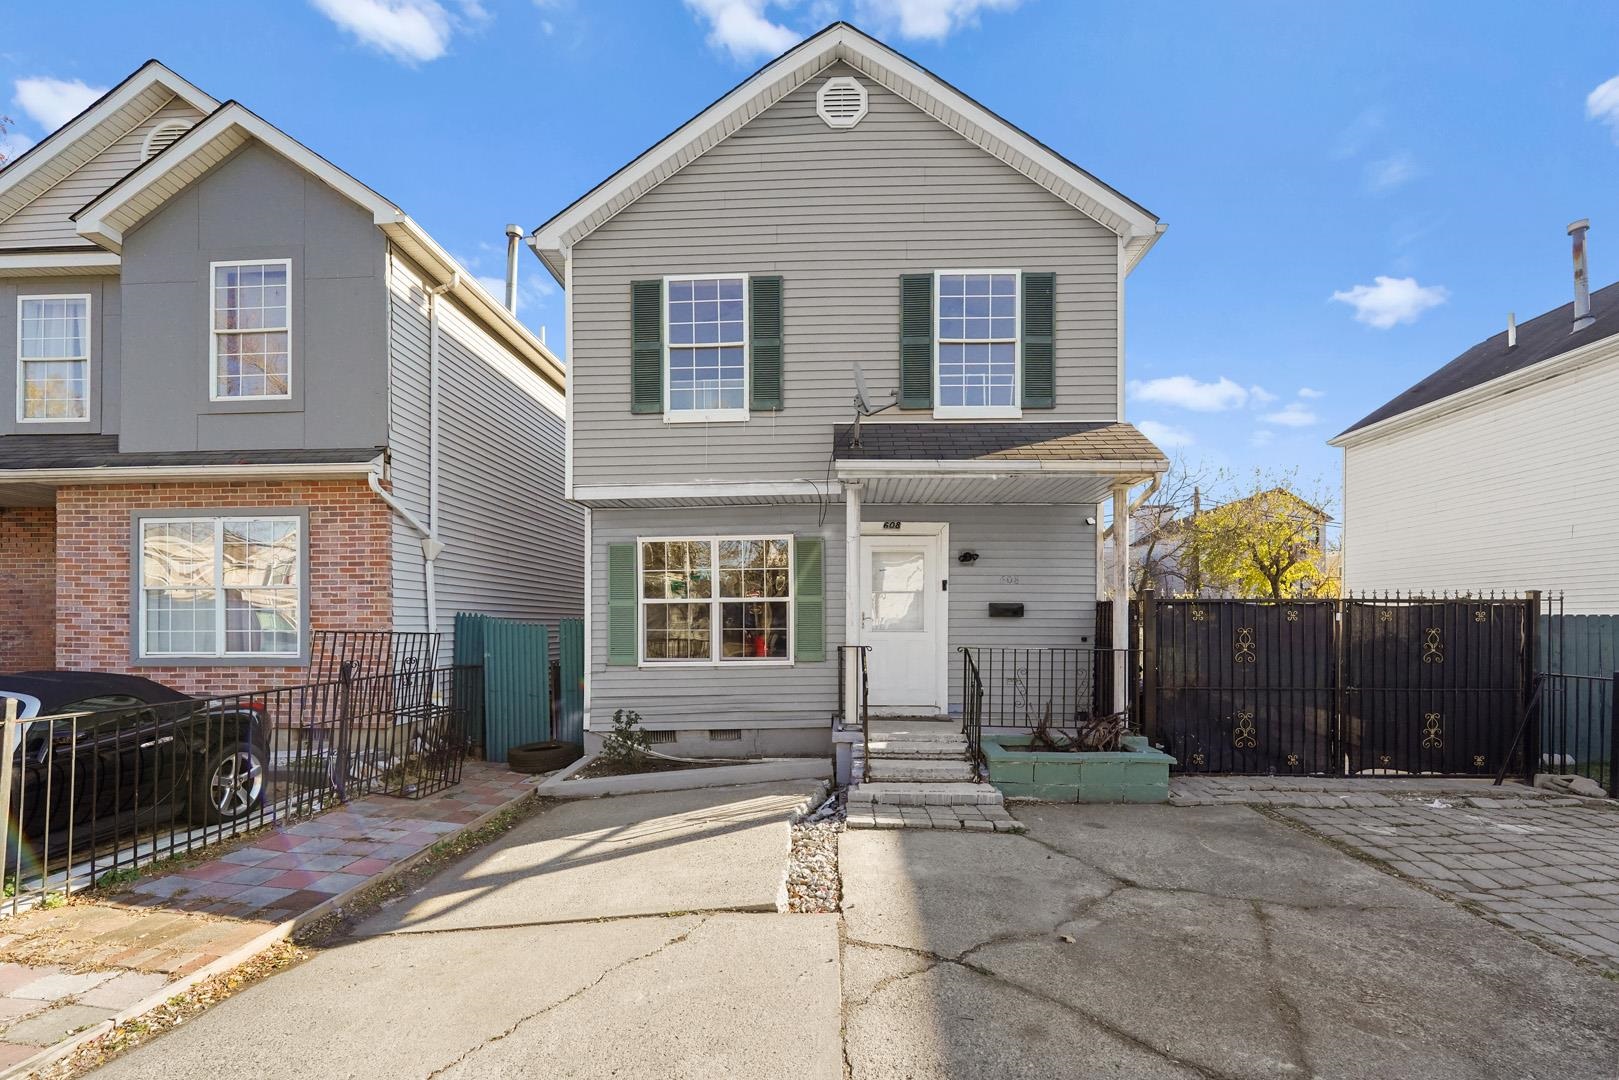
[226, 587]
[706, 355]
[977, 326]
[716, 600]
[252, 330]
[53, 358]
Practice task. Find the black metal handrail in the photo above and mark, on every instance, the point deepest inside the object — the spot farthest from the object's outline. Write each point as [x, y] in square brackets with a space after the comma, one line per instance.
[1057, 685]
[862, 652]
[972, 708]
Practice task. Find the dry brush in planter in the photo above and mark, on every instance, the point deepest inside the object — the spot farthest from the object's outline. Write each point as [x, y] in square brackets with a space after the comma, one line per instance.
[1097, 762]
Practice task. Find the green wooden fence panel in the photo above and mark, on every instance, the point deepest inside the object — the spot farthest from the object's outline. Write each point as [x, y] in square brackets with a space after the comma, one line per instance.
[570, 725]
[516, 659]
[1581, 645]
[469, 690]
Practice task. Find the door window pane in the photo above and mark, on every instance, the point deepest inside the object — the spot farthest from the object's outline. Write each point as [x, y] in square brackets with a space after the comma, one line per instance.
[898, 584]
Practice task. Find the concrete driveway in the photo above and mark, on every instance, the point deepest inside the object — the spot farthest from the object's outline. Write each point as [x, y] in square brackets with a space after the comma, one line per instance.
[1163, 942]
[623, 938]
[600, 938]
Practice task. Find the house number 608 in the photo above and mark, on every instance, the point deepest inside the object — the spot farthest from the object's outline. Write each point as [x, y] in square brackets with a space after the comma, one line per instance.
[1009, 579]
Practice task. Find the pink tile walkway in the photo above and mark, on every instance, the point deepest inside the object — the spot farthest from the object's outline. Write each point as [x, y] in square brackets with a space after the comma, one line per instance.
[287, 872]
[138, 942]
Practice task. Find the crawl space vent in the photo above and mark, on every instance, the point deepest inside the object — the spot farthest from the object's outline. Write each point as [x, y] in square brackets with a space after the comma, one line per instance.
[661, 736]
[841, 102]
[162, 137]
[725, 734]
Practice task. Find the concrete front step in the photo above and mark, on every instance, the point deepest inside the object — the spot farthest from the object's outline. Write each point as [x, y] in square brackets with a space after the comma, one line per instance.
[914, 770]
[883, 748]
[897, 731]
[896, 793]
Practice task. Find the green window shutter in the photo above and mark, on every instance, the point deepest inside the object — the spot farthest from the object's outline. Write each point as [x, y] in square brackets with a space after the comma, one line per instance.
[621, 620]
[646, 346]
[1039, 355]
[809, 598]
[916, 341]
[764, 346]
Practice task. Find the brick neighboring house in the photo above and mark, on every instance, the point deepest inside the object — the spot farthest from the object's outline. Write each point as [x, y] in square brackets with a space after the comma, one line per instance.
[253, 400]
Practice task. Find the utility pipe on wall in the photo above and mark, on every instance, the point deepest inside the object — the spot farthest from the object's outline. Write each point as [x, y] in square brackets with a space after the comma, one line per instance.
[431, 545]
[513, 235]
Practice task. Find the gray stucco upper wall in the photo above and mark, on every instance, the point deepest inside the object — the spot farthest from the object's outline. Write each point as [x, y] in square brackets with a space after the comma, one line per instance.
[255, 205]
[841, 215]
[105, 336]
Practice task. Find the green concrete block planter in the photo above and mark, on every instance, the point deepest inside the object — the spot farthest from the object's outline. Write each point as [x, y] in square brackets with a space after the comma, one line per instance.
[1136, 774]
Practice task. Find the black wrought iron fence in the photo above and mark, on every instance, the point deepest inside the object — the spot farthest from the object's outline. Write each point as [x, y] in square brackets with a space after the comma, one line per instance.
[1579, 727]
[86, 795]
[370, 652]
[1024, 687]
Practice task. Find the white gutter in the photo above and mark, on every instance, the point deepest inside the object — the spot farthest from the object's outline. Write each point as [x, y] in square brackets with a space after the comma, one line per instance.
[979, 469]
[107, 474]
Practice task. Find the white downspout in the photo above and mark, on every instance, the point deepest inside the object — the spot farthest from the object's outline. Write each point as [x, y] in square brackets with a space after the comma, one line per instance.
[431, 545]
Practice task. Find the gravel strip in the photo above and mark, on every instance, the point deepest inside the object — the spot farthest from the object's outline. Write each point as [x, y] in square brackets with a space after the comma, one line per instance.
[813, 885]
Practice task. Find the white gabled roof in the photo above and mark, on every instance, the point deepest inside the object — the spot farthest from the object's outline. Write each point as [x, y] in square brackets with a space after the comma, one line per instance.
[843, 42]
[108, 217]
[107, 120]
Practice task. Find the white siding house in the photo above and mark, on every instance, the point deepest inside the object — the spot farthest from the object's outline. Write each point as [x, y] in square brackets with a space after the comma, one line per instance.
[1500, 471]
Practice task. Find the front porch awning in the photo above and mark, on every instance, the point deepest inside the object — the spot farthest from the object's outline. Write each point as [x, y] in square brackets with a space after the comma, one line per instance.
[989, 463]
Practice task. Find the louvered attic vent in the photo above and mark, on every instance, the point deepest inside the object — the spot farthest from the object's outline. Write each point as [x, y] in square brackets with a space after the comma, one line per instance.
[163, 136]
[841, 102]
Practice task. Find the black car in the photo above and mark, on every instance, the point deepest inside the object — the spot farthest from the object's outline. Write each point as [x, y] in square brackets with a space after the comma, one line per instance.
[100, 753]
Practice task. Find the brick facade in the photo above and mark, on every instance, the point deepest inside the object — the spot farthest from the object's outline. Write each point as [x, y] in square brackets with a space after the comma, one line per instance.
[350, 569]
[27, 588]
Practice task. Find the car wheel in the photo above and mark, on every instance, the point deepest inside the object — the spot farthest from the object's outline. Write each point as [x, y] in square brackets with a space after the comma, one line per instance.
[230, 783]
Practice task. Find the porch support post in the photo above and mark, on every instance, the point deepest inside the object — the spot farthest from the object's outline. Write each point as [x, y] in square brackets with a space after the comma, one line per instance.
[851, 596]
[1121, 597]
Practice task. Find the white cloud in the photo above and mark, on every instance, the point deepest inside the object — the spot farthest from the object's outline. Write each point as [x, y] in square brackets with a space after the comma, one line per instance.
[934, 20]
[1390, 301]
[1602, 105]
[1309, 394]
[50, 103]
[1258, 395]
[413, 31]
[1165, 436]
[1293, 414]
[1360, 131]
[1185, 392]
[742, 28]
[1262, 437]
[531, 289]
[1388, 173]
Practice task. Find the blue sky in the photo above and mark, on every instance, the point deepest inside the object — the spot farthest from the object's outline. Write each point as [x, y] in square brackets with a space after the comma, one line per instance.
[1354, 193]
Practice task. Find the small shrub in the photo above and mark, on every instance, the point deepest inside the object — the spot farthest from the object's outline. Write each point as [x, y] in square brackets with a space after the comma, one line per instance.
[627, 743]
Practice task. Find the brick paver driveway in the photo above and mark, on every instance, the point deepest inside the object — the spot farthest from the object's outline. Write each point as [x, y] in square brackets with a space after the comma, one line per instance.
[1549, 871]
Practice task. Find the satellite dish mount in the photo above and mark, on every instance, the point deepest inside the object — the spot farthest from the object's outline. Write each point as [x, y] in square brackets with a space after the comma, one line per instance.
[864, 404]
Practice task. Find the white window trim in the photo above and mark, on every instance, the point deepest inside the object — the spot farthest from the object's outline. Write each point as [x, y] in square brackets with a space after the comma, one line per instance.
[1013, 411]
[715, 622]
[214, 332]
[704, 416]
[221, 653]
[89, 349]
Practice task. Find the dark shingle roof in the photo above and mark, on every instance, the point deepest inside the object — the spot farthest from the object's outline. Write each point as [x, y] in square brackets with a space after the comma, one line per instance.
[101, 451]
[1014, 440]
[1541, 338]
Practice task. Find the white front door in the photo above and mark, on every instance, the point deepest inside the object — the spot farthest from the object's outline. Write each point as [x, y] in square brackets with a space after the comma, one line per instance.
[902, 609]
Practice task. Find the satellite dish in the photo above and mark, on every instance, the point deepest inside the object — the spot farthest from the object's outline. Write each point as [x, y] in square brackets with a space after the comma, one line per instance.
[862, 394]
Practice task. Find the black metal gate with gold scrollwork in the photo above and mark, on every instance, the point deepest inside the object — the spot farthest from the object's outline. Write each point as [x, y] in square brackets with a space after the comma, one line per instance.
[1361, 686]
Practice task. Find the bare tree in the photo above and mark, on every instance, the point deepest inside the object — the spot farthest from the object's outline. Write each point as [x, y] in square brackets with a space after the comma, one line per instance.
[6, 124]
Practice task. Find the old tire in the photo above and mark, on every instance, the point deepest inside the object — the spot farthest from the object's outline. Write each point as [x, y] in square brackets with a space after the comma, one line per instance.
[539, 757]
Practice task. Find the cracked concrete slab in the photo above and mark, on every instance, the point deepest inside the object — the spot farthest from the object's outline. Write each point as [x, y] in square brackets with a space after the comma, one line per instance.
[946, 892]
[706, 850]
[950, 1022]
[656, 998]
[397, 1006]
[1208, 965]
[1219, 851]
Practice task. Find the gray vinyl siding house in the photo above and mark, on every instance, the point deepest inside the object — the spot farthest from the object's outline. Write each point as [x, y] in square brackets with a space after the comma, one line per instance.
[413, 439]
[760, 188]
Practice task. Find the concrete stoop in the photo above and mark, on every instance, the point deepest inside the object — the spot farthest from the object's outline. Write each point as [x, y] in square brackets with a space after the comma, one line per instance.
[918, 776]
